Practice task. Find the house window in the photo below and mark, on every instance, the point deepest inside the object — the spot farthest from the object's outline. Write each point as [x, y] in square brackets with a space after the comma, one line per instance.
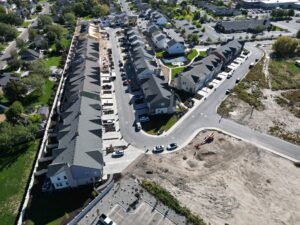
[67, 183]
[65, 177]
[58, 178]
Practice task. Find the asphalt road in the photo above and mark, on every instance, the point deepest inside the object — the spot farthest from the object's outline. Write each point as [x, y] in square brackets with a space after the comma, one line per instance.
[201, 117]
[24, 35]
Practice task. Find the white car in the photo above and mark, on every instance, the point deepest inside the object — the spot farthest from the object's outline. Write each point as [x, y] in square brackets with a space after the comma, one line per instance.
[158, 149]
[117, 153]
[172, 146]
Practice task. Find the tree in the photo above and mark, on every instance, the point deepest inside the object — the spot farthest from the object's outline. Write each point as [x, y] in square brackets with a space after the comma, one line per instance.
[11, 18]
[14, 90]
[79, 9]
[35, 81]
[193, 39]
[51, 36]
[8, 31]
[104, 10]
[44, 21]
[14, 112]
[70, 18]
[285, 46]
[38, 8]
[298, 34]
[291, 12]
[32, 33]
[57, 29]
[20, 43]
[2, 9]
[11, 135]
[40, 67]
[14, 62]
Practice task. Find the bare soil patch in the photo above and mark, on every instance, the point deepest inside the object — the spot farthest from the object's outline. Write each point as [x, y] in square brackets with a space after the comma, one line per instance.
[227, 181]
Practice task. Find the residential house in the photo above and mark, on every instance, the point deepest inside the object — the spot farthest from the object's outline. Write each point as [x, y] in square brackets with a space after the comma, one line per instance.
[7, 77]
[251, 25]
[158, 18]
[160, 41]
[160, 99]
[194, 77]
[78, 158]
[199, 74]
[175, 48]
[229, 51]
[40, 42]
[29, 55]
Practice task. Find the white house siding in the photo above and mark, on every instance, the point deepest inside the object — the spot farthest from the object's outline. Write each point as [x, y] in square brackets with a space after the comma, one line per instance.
[83, 175]
[60, 181]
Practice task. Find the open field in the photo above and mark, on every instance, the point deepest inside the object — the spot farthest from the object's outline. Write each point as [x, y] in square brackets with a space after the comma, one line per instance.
[284, 74]
[14, 173]
[227, 181]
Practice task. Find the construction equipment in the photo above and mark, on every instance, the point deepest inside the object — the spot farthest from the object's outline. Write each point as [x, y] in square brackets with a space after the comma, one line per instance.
[209, 138]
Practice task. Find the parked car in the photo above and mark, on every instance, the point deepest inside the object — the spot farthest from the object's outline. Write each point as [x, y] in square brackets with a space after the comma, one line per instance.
[123, 78]
[158, 149]
[172, 146]
[138, 126]
[125, 83]
[237, 80]
[118, 153]
[229, 76]
[228, 91]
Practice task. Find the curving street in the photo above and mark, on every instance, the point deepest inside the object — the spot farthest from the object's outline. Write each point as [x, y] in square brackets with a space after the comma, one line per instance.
[201, 116]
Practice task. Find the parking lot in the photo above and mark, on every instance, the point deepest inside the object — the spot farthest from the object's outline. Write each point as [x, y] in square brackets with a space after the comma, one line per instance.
[143, 215]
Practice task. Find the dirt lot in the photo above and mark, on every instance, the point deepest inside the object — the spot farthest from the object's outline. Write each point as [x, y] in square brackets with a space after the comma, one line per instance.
[227, 181]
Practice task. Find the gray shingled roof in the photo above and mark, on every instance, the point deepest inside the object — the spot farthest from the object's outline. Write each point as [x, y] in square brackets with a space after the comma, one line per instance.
[156, 89]
[242, 25]
[79, 130]
[201, 69]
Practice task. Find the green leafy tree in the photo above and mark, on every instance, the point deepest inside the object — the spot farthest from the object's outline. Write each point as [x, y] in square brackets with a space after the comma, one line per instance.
[11, 18]
[14, 90]
[2, 9]
[51, 36]
[13, 134]
[285, 46]
[57, 29]
[40, 67]
[8, 31]
[14, 112]
[78, 8]
[32, 33]
[104, 10]
[70, 18]
[36, 82]
[298, 34]
[38, 8]
[44, 21]
[20, 43]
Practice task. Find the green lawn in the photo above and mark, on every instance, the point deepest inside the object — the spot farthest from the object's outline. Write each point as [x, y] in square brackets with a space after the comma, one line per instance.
[163, 123]
[53, 61]
[176, 71]
[26, 23]
[14, 174]
[284, 74]
[36, 99]
[192, 54]
[47, 92]
[159, 54]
